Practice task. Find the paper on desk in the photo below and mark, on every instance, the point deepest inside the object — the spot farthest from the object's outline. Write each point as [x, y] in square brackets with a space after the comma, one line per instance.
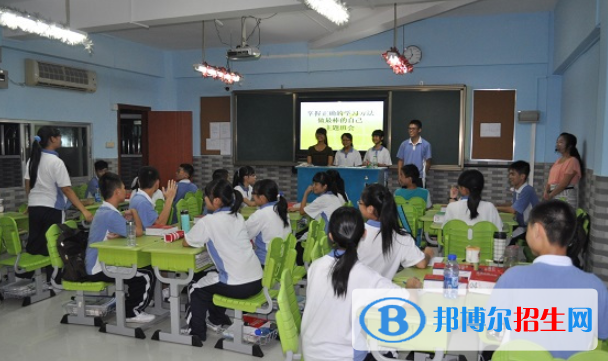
[214, 144]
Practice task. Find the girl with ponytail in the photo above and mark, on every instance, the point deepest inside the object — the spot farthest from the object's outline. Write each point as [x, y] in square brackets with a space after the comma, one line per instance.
[566, 172]
[48, 189]
[243, 180]
[237, 271]
[271, 220]
[386, 245]
[326, 323]
[470, 208]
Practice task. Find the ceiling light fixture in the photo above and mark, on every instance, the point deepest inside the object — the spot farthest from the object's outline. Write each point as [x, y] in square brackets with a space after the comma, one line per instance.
[393, 58]
[334, 10]
[214, 72]
[17, 20]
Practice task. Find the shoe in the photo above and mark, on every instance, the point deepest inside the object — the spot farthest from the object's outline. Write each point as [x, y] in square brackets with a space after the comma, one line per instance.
[166, 294]
[215, 328]
[142, 317]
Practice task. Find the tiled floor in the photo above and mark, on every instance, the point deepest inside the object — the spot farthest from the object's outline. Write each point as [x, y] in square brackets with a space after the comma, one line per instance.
[34, 333]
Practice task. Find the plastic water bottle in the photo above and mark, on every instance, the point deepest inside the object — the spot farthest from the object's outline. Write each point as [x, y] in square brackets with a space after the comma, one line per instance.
[375, 161]
[97, 195]
[262, 331]
[185, 219]
[131, 236]
[450, 278]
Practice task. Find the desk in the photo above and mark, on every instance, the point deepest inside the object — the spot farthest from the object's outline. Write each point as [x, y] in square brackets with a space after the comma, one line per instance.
[355, 179]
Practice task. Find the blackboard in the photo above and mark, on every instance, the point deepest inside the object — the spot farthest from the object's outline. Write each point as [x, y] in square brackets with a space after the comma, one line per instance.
[439, 110]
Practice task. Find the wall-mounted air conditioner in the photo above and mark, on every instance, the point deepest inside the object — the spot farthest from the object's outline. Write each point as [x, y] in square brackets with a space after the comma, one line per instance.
[38, 73]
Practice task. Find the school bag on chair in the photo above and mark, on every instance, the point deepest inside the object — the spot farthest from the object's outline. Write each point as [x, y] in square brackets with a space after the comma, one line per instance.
[72, 245]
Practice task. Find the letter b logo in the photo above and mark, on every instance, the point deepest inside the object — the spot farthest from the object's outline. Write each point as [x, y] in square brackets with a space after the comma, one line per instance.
[386, 320]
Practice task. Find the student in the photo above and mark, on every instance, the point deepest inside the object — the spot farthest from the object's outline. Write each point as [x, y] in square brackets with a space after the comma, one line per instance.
[243, 180]
[524, 196]
[551, 228]
[470, 208]
[347, 156]
[220, 174]
[101, 167]
[415, 150]
[383, 156]
[108, 223]
[386, 246]
[156, 196]
[409, 179]
[320, 154]
[183, 175]
[271, 220]
[326, 323]
[148, 180]
[326, 202]
[337, 185]
[237, 272]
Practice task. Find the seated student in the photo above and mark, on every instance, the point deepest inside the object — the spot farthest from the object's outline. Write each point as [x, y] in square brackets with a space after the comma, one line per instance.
[347, 156]
[108, 223]
[379, 151]
[326, 323]
[326, 202]
[220, 174]
[524, 196]
[551, 228]
[271, 220]
[386, 246]
[243, 180]
[409, 179]
[470, 208]
[156, 196]
[101, 167]
[183, 176]
[148, 180]
[237, 272]
[337, 184]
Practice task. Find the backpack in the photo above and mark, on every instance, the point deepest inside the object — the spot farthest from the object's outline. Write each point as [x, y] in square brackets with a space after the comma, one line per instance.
[72, 245]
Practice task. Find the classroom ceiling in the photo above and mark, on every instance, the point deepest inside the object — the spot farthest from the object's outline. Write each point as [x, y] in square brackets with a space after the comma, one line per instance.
[177, 24]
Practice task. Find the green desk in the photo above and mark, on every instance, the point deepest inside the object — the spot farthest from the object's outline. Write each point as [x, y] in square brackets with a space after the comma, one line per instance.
[174, 257]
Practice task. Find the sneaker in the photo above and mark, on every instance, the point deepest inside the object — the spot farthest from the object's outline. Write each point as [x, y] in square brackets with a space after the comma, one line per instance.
[166, 294]
[215, 328]
[142, 317]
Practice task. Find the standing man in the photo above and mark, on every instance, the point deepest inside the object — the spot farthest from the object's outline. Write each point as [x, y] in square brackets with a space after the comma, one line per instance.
[415, 151]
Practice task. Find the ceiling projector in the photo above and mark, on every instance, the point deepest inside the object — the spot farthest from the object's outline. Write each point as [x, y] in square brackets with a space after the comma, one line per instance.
[243, 52]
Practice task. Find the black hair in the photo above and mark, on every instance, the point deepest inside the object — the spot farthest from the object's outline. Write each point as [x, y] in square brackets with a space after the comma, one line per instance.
[147, 176]
[241, 173]
[269, 189]
[45, 133]
[380, 133]
[322, 131]
[188, 168]
[324, 179]
[379, 197]
[416, 122]
[570, 140]
[558, 219]
[220, 174]
[337, 183]
[346, 228]
[101, 165]
[108, 183]
[230, 197]
[521, 167]
[411, 171]
[349, 136]
[472, 179]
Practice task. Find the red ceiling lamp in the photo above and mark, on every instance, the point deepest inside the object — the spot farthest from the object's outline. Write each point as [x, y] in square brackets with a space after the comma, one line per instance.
[215, 72]
[393, 58]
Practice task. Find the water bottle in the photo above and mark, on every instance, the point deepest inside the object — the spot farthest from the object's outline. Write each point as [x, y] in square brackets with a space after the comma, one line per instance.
[131, 236]
[262, 331]
[97, 195]
[185, 219]
[375, 161]
[450, 278]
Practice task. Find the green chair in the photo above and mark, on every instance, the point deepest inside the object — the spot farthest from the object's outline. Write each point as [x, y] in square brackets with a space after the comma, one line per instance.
[594, 355]
[309, 243]
[289, 318]
[158, 207]
[80, 287]
[511, 352]
[457, 235]
[193, 209]
[22, 208]
[409, 212]
[348, 204]
[200, 198]
[80, 190]
[20, 262]
[189, 195]
[317, 251]
[179, 207]
[320, 231]
[324, 244]
[298, 272]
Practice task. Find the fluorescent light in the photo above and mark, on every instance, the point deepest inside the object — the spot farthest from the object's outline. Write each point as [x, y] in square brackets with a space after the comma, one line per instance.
[334, 10]
[223, 74]
[17, 20]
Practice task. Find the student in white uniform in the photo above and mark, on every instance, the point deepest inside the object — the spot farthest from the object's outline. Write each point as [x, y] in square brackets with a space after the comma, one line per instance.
[326, 202]
[237, 272]
[470, 208]
[326, 323]
[337, 185]
[271, 220]
[386, 245]
[243, 181]
[347, 156]
[379, 151]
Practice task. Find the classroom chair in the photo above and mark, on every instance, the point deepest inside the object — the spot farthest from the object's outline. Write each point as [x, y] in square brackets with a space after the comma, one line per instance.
[289, 318]
[309, 243]
[409, 212]
[200, 198]
[510, 352]
[80, 287]
[189, 195]
[20, 262]
[594, 355]
[22, 208]
[298, 272]
[158, 206]
[457, 235]
[193, 209]
[80, 190]
[317, 251]
[179, 207]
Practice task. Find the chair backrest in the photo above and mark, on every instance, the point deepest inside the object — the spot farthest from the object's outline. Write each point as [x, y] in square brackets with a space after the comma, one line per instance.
[193, 209]
[419, 206]
[189, 195]
[10, 235]
[275, 251]
[348, 204]
[158, 207]
[324, 243]
[269, 279]
[52, 234]
[200, 198]
[594, 355]
[407, 214]
[179, 207]
[80, 190]
[457, 235]
[510, 352]
[287, 298]
[22, 208]
[321, 231]
[317, 252]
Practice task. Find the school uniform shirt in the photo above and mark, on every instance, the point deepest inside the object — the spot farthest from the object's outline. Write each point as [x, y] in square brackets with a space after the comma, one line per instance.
[486, 210]
[384, 156]
[157, 195]
[246, 192]
[350, 159]
[524, 199]
[324, 206]
[52, 176]
[226, 239]
[326, 323]
[416, 154]
[92, 187]
[263, 226]
[144, 205]
[408, 194]
[404, 251]
[184, 186]
[107, 220]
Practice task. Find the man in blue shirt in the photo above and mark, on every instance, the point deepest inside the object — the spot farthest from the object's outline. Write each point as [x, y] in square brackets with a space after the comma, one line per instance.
[415, 150]
[149, 182]
[101, 167]
[183, 176]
